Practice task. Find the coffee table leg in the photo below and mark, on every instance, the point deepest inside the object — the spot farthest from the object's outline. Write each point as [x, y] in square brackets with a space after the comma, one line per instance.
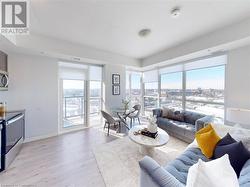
[146, 150]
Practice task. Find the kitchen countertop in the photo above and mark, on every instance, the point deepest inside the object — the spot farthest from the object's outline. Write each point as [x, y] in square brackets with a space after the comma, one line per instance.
[9, 112]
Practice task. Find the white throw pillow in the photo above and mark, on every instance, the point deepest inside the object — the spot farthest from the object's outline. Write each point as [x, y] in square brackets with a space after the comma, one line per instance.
[215, 173]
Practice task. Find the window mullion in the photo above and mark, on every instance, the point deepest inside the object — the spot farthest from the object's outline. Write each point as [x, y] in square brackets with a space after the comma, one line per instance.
[184, 90]
[159, 88]
[130, 90]
[142, 97]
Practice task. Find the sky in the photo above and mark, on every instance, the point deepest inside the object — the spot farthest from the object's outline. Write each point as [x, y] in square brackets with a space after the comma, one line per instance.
[206, 78]
[135, 81]
[201, 78]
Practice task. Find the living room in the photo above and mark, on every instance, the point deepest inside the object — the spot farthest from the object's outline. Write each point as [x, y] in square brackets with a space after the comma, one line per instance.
[85, 79]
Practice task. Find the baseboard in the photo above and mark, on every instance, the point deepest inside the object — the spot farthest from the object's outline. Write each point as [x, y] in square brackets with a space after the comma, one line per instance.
[31, 139]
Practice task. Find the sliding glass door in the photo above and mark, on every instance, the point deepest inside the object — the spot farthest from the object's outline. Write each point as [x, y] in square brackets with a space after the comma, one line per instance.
[73, 103]
[95, 102]
[80, 92]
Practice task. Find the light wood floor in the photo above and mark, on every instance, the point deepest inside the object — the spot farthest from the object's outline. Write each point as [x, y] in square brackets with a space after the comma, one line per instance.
[62, 161]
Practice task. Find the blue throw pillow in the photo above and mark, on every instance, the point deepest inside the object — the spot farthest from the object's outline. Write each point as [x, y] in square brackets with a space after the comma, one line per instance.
[238, 154]
[226, 140]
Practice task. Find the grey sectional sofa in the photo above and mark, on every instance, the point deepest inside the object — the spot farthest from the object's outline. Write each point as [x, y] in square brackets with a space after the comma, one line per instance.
[184, 130]
[174, 174]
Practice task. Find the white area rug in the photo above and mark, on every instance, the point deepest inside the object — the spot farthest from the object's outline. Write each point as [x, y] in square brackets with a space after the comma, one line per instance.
[118, 160]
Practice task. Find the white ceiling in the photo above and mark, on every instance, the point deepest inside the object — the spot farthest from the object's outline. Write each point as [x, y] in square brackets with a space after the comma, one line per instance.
[112, 25]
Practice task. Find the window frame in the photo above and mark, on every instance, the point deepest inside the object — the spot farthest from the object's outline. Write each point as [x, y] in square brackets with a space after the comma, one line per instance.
[184, 99]
[183, 72]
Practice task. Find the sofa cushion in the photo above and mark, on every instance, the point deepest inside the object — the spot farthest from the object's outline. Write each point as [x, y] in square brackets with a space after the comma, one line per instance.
[241, 134]
[183, 125]
[237, 160]
[226, 140]
[157, 112]
[159, 175]
[190, 132]
[202, 122]
[164, 123]
[244, 179]
[176, 115]
[166, 112]
[191, 117]
[180, 166]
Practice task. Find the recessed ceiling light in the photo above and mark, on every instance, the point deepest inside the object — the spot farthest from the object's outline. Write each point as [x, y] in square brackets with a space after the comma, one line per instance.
[144, 32]
[175, 12]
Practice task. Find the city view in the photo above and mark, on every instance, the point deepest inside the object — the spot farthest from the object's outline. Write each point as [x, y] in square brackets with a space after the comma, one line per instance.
[209, 101]
[204, 91]
[73, 101]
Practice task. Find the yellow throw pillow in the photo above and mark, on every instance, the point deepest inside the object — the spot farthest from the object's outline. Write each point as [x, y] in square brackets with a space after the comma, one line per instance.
[207, 139]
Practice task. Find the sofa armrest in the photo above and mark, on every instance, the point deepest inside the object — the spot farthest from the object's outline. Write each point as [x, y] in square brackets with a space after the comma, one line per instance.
[202, 122]
[153, 175]
[157, 112]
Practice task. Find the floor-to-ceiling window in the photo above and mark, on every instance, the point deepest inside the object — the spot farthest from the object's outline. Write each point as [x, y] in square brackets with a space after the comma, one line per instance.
[95, 102]
[135, 92]
[151, 95]
[195, 86]
[171, 90]
[134, 87]
[205, 90]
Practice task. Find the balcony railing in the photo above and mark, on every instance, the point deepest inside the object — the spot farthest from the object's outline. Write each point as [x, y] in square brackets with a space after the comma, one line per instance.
[95, 105]
[74, 106]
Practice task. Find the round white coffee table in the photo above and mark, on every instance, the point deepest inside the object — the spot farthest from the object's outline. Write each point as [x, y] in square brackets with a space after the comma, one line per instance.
[148, 144]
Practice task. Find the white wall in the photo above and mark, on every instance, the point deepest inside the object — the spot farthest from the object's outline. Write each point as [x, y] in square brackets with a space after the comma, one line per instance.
[114, 101]
[33, 87]
[66, 50]
[238, 78]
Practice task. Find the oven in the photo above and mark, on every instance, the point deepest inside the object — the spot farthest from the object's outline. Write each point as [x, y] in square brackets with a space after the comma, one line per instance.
[12, 136]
